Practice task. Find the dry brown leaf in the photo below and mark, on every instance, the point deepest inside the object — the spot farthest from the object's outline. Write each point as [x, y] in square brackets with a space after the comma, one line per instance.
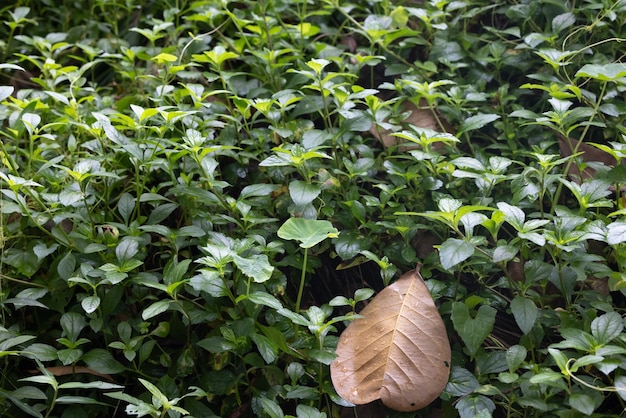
[398, 352]
[70, 370]
[590, 154]
[421, 116]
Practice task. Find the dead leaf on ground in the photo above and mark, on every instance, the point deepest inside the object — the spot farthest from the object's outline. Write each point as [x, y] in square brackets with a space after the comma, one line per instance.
[589, 154]
[398, 352]
[70, 370]
[420, 116]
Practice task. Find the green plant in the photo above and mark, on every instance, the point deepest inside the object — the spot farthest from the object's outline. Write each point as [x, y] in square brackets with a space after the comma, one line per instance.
[197, 197]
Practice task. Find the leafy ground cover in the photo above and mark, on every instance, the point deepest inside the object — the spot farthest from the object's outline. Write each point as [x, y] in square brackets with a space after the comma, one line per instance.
[195, 201]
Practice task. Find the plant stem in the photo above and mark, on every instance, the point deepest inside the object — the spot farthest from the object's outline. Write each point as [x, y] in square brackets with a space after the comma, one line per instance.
[302, 277]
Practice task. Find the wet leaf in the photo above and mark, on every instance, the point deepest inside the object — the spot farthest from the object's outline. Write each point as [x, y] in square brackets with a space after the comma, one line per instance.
[397, 352]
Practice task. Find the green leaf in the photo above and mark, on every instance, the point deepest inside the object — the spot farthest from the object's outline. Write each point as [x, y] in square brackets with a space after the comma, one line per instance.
[576, 338]
[211, 282]
[453, 251]
[307, 30]
[461, 382]
[504, 253]
[363, 294]
[548, 377]
[66, 266]
[271, 408]
[399, 16]
[607, 327]
[584, 361]
[262, 298]
[616, 233]
[308, 232]
[42, 352]
[304, 411]
[257, 267]
[620, 386]
[525, 313]
[303, 193]
[339, 301]
[606, 72]
[16, 398]
[350, 243]
[296, 318]
[473, 331]
[12, 342]
[103, 361]
[515, 356]
[156, 393]
[70, 355]
[477, 121]
[72, 324]
[82, 400]
[90, 385]
[257, 190]
[475, 406]
[126, 249]
[559, 358]
[90, 303]
[126, 206]
[582, 403]
[131, 400]
[267, 349]
[513, 215]
[317, 65]
[164, 58]
[302, 392]
[6, 91]
[155, 309]
[43, 379]
[563, 21]
[13, 66]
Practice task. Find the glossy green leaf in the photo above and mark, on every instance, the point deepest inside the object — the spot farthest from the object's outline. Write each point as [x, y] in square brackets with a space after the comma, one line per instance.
[454, 251]
[72, 324]
[308, 232]
[477, 121]
[607, 327]
[156, 308]
[515, 356]
[5, 91]
[90, 303]
[605, 72]
[256, 266]
[475, 406]
[303, 193]
[525, 313]
[473, 330]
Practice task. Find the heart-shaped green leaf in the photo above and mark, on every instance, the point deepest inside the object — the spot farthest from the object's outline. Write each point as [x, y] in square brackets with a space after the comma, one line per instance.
[473, 331]
[308, 231]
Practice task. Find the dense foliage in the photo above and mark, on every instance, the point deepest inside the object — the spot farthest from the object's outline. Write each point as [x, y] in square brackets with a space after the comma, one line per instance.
[194, 201]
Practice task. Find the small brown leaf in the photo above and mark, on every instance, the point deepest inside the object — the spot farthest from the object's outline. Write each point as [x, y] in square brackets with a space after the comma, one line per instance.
[589, 154]
[67, 370]
[421, 117]
[398, 352]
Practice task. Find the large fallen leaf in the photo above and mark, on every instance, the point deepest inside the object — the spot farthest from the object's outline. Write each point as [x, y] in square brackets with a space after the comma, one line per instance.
[397, 352]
